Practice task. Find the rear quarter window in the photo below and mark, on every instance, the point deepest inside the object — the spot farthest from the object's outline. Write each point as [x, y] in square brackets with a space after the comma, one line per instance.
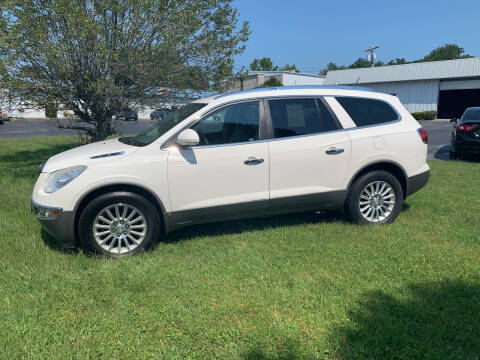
[365, 112]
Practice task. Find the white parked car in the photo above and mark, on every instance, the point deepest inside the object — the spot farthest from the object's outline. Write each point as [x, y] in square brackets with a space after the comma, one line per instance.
[245, 154]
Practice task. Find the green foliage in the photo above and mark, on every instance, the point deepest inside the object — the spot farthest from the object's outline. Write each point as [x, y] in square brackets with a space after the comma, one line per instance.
[397, 61]
[266, 64]
[288, 67]
[425, 115]
[272, 82]
[51, 110]
[297, 286]
[446, 52]
[98, 57]
[263, 64]
[360, 63]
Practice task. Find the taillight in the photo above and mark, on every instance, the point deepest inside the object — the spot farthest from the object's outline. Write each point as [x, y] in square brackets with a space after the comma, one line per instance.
[465, 128]
[423, 135]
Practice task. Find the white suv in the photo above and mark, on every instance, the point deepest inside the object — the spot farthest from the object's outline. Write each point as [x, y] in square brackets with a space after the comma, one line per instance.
[251, 153]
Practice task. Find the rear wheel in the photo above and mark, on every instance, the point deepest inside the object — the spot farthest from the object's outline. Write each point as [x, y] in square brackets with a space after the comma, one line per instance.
[374, 198]
[119, 224]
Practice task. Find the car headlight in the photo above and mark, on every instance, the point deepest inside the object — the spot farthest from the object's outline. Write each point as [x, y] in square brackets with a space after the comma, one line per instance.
[60, 178]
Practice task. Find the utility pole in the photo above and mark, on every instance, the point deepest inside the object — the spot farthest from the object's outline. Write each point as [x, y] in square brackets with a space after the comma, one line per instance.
[371, 54]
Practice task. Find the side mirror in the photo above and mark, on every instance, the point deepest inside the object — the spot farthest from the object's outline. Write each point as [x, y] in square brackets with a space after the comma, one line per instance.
[187, 138]
[454, 120]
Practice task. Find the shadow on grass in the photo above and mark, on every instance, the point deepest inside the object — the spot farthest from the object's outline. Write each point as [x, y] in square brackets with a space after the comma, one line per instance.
[54, 245]
[20, 163]
[253, 224]
[435, 321]
[289, 350]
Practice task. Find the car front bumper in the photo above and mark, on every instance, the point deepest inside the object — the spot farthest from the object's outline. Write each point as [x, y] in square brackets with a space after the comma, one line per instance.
[58, 223]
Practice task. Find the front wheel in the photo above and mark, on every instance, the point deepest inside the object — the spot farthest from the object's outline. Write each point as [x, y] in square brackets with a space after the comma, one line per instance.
[118, 224]
[374, 198]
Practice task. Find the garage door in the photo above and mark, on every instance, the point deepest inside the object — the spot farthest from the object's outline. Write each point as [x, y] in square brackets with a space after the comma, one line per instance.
[452, 103]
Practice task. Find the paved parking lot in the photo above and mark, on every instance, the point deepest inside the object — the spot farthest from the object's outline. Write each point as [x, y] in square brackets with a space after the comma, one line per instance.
[47, 127]
[438, 132]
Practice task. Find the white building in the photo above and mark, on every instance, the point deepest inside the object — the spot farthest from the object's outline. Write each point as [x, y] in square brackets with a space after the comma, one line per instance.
[448, 87]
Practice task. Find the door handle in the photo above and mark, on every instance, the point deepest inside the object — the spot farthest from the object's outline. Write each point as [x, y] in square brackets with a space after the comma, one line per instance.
[253, 161]
[334, 151]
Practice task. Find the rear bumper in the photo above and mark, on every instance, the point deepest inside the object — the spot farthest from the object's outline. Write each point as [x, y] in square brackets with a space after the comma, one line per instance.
[467, 144]
[416, 182]
[62, 227]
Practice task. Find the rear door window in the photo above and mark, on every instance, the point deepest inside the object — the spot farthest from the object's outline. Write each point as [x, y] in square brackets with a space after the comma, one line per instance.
[365, 112]
[295, 117]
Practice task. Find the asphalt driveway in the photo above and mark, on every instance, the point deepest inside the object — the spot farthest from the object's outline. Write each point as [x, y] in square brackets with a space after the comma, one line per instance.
[438, 132]
[46, 127]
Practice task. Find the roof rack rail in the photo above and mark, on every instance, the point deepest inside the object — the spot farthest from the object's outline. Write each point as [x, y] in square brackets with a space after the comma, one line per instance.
[297, 87]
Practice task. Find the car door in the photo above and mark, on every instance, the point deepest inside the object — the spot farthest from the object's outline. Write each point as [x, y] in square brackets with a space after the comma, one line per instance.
[309, 155]
[226, 175]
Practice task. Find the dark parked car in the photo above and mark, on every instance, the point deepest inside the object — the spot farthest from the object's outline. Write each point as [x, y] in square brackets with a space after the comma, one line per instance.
[159, 113]
[127, 114]
[466, 134]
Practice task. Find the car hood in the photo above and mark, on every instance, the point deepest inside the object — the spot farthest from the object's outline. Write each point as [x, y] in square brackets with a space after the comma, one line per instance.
[95, 153]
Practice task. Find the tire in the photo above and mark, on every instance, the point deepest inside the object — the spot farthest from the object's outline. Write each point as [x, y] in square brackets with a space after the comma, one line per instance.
[135, 227]
[360, 213]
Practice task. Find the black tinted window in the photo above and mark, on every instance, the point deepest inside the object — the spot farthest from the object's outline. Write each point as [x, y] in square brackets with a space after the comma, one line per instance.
[471, 114]
[367, 111]
[231, 124]
[292, 117]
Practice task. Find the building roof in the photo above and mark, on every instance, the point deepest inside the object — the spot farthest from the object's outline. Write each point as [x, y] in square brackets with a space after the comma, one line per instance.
[448, 69]
[274, 73]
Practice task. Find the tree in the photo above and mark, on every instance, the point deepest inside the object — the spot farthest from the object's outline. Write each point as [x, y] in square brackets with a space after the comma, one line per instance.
[397, 61]
[98, 57]
[288, 67]
[360, 63]
[272, 82]
[263, 64]
[331, 66]
[446, 52]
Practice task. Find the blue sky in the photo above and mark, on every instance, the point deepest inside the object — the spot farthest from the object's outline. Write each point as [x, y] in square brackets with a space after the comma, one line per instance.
[311, 33]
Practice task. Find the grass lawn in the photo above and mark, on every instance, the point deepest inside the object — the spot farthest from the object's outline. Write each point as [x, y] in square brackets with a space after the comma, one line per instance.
[304, 286]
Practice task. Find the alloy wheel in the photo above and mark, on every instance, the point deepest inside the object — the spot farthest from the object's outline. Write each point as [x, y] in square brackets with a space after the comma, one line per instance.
[119, 228]
[377, 201]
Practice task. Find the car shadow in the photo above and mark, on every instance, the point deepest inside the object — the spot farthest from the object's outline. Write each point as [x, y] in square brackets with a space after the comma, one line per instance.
[431, 320]
[443, 153]
[253, 224]
[54, 245]
[230, 227]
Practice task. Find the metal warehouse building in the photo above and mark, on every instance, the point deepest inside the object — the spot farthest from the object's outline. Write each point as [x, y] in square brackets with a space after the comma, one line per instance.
[446, 86]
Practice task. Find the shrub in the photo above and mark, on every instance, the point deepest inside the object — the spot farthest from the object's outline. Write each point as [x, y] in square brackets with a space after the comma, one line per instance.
[425, 115]
[272, 82]
[51, 110]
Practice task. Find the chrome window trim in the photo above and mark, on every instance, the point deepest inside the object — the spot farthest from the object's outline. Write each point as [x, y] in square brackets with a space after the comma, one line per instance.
[167, 142]
[267, 118]
[307, 135]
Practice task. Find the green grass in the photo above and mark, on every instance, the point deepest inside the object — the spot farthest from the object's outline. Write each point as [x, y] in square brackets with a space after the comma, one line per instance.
[305, 286]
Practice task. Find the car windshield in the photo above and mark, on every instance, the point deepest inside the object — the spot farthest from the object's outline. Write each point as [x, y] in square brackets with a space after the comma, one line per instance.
[161, 127]
[471, 115]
